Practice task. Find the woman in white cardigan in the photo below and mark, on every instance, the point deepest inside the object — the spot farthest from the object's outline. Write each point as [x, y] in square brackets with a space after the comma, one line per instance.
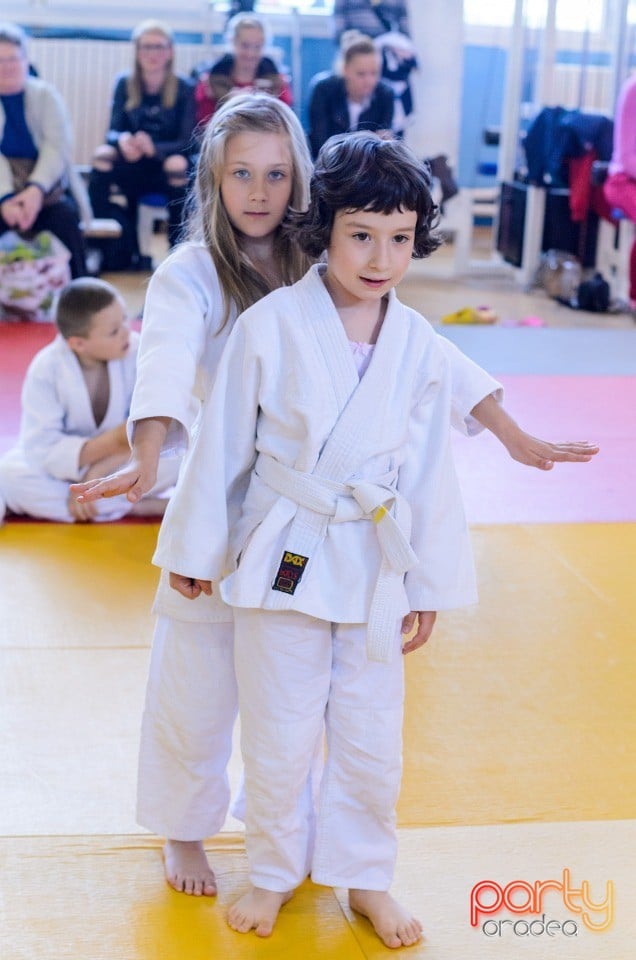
[35, 152]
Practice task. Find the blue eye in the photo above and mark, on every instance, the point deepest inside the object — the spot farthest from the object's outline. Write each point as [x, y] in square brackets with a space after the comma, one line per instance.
[241, 174]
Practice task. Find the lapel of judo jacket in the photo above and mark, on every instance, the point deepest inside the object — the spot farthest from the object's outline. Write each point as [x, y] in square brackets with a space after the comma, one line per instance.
[361, 403]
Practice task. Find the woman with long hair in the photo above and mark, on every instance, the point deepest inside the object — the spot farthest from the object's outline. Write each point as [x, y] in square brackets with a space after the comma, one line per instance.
[149, 143]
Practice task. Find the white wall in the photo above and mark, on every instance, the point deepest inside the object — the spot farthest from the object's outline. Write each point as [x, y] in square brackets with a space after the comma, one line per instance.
[438, 33]
[113, 14]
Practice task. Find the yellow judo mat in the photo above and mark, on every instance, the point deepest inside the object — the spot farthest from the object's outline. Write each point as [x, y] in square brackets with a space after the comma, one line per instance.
[519, 749]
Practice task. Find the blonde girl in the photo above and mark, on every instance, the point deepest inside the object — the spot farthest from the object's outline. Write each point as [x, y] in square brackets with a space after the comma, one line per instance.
[253, 167]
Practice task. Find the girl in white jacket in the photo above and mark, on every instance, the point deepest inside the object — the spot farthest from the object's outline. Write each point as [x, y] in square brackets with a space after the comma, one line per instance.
[236, 254]
[320, 492]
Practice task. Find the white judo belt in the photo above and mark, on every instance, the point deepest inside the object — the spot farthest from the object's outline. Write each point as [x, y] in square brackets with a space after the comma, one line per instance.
[326, 501]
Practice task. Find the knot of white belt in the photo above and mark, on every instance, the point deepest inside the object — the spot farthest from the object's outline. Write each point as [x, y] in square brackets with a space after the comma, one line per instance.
[378, 501]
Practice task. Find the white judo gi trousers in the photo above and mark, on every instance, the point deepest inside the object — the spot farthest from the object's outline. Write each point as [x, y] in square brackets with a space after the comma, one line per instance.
[186, 735]
[37, 494]
[294, 673]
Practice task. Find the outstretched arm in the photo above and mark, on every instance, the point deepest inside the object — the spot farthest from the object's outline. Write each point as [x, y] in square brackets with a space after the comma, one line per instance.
[138, 475]
[525, 448]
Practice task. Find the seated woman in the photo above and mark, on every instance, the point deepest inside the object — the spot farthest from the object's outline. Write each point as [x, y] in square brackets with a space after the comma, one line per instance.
[35, 152]
[243, 70]
[353, 97]
[387, 23]
[149, 143]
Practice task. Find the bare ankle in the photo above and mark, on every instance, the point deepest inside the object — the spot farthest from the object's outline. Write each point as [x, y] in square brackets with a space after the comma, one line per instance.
[187, 868]
[394, 924]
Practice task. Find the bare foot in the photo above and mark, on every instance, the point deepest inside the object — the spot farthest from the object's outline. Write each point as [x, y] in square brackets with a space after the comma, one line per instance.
[187, 868]
[257, 910]
[393, 924]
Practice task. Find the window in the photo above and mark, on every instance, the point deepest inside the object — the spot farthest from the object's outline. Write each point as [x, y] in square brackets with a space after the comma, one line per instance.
[570, 14]
[303, 6]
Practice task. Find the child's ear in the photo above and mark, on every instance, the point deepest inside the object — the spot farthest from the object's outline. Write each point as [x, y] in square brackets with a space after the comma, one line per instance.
[77, 344]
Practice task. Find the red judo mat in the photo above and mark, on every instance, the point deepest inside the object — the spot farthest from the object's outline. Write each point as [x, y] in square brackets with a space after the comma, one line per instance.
[601, 409]
[19, 342]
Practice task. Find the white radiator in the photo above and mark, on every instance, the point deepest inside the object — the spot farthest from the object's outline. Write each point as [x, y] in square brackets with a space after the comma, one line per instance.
[592, 84]
[84, 72]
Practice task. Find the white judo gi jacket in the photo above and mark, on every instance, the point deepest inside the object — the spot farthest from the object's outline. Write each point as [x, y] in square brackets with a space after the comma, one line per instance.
[57, 416]
[380, 528]
[181, 345]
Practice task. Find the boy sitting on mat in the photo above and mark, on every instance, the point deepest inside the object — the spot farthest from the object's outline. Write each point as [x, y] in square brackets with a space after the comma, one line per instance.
[75, 402]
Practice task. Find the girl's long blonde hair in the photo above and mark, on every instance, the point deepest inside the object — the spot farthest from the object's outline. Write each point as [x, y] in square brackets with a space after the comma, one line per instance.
[209, 223]
[134, 83]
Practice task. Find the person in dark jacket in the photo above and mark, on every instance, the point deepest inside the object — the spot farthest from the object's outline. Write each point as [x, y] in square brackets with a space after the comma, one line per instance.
[387, 23]
[149, 143]
[352, 98]
[243, 69]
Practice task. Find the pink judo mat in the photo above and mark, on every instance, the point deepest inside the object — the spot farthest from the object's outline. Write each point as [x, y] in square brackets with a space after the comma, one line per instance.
[496, 489]
[601, 409]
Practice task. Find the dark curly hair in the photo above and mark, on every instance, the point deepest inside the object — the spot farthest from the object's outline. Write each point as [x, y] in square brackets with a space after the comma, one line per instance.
[361, 171]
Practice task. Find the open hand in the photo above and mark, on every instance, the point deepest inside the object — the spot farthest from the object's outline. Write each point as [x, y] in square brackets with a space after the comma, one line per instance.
[134, 479]
[543, 454]
[81, 512]
[425, 622]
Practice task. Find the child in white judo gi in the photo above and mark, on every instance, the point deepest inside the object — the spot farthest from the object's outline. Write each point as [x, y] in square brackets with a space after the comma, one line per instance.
[253, 166]
[230, 261]
[75, 402]
[320, 490]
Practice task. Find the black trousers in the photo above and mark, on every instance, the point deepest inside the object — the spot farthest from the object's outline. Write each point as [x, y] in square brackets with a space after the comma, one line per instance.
[134, 180]
[62, 220]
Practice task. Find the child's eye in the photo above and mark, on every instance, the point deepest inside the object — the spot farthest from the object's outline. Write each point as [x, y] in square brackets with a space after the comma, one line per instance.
[401, 238]
[277, 175]
[361, 235]
[241, 174]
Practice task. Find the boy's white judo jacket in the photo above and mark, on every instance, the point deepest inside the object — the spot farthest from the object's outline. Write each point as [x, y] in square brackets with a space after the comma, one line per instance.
[309, 489]
[57, 416]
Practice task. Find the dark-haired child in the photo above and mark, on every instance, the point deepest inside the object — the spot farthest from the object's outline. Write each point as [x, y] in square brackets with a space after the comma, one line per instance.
[75, 401]
[321, 491]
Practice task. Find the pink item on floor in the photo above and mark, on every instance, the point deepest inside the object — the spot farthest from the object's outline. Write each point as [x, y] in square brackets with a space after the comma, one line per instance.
[531, 322]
